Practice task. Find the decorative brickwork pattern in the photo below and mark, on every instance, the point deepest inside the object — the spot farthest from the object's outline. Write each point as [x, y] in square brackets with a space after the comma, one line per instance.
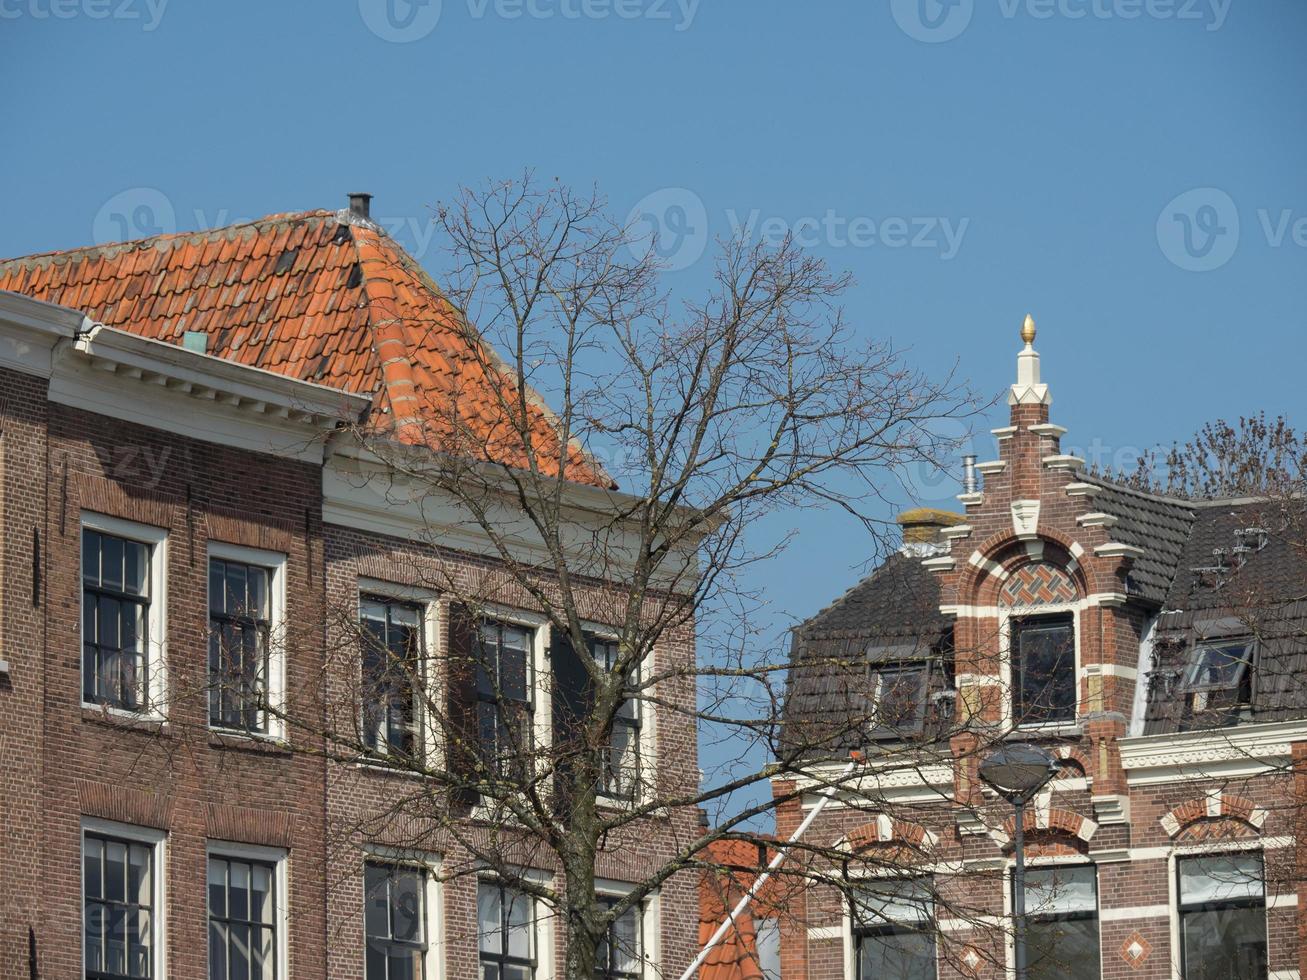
[1038, 584]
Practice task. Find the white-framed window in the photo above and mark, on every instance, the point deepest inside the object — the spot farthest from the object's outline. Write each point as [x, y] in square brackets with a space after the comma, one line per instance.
[402, 917]
[511, 714]
[891, 936]
[247, 912]
[123, 901]
[629, 949]
[1221, 914]
[628, 757]
[1043, 666]
[398, 632]
[124, 625]
[1062, 939]
[898, 699]
[508, 932]
[247, 640]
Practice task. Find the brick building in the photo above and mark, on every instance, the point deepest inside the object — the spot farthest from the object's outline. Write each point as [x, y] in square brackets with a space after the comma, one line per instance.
[186, 512]
[1152, 645]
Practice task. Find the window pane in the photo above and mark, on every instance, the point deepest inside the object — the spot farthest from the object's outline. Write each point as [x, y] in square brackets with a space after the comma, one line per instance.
[891, 903]
[111, 562]
[90, 556]
[519, 925]
[406, 903]
[135, 567]
[217, 887]
[236, 599]
[488, 917]
[1220, 878]
[238, 891]
[376, 901]
[1224, 943]
[115, 871]
[769, 948]
[261, 904]
[901, 955]
[217, 951]
[1063, 949]
[1045, 651]
[92, 879]
[1053, 891]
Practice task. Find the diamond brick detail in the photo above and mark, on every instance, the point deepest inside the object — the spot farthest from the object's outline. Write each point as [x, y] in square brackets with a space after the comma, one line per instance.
[1038, 584]
[1135, 950]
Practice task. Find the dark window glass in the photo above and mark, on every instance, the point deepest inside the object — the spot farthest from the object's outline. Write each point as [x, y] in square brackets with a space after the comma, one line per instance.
[1062, 923]
[503, 686]
[892, 935]
[392, 669]
[118, 892]
[115, 621]
[242, 920]
[239, 623]
[506, 928]
[395, 920]
[620, 773]
[618, 956]
[1044, 664]
[1222, 917]
[898, 701]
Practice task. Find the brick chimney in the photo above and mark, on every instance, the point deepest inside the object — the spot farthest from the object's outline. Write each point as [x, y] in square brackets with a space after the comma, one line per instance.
[923, 530]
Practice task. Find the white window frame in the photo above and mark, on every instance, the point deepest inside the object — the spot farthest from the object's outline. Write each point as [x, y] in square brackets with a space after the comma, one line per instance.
[544, 924]
[157, 841]
[434, 613]
[279, 859]
[276, 563]
[157, 617]
[647, 732]
[542, 713]
[1008, 672]
[1047, 861]
[846, 914]
[433, 895]
[649, 914]
[1173, 888]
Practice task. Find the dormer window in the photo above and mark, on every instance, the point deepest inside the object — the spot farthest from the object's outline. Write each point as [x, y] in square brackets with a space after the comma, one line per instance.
[1218, 676]
[898, 700]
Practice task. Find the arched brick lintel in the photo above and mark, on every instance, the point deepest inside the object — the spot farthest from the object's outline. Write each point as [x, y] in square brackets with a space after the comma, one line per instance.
[1210, 807]
[1005, 550]
[1055, 819]
[884, 829]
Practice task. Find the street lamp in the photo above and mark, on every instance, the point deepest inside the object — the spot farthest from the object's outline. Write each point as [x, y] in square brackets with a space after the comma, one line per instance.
[1017, 773]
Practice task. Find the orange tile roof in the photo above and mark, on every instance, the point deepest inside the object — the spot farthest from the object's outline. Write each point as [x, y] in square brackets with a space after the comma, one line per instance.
[736, 956]
[320, 296]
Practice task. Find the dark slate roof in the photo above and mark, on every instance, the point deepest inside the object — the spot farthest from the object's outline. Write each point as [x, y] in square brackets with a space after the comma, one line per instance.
[891, 615]
[1158, 525]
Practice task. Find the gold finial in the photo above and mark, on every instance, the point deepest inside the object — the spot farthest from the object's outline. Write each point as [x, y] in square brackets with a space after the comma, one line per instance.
[1028, 329]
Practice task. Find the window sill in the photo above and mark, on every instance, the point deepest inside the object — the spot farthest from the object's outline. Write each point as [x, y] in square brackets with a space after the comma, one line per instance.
[1053, 729]
[380, 767]
[128, 720]
[248, 742]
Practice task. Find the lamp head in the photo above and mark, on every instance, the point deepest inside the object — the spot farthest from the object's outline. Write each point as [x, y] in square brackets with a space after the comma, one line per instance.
[1017, 772]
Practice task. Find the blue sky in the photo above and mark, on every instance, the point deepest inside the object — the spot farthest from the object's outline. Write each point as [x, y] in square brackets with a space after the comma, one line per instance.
[1130, 171]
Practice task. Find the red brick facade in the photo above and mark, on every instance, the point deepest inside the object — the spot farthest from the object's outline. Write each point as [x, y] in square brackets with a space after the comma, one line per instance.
[65, 766]
[1126, 804]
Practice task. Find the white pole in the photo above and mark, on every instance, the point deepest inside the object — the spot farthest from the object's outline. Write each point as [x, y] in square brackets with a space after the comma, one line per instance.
[772, 865]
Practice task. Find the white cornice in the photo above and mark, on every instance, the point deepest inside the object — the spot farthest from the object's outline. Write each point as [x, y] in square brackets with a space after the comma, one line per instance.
[1048, 429]
[1241, 750]
[1083, 490]
[114, 373]
[1063, 461]
[1097, 520]
[31, 329]
[1116, 549]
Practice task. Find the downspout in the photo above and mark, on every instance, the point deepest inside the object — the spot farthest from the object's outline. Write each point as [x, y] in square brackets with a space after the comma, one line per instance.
[827, 795]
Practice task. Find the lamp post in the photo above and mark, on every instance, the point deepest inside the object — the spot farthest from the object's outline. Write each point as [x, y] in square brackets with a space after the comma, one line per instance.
[1016, 773]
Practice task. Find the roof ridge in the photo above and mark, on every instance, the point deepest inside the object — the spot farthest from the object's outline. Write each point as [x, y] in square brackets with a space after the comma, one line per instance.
[843, 597]
[1160, 498]
[172, 237]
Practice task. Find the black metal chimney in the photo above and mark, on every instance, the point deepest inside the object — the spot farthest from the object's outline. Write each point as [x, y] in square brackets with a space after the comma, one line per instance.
[361, 205]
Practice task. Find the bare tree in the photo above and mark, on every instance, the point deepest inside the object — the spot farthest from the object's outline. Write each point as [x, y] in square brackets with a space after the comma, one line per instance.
[711, 414]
